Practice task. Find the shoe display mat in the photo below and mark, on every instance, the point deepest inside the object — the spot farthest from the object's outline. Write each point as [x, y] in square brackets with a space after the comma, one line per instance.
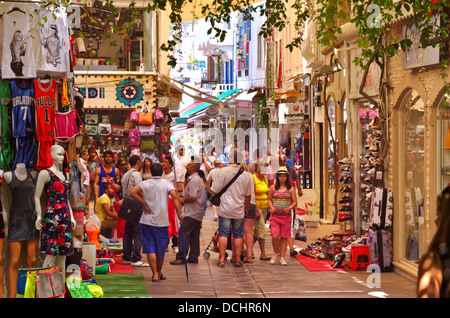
[119, 268]
[314, 265]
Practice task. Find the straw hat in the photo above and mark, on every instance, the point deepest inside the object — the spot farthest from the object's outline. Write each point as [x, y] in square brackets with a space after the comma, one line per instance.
[282, 170]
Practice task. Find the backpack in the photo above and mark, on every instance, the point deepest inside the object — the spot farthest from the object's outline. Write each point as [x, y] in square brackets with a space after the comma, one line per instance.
[134, 118]
[134, 138]
[159, 115]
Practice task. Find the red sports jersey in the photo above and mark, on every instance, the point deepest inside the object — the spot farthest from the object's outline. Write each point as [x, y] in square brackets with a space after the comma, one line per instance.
[45, 98]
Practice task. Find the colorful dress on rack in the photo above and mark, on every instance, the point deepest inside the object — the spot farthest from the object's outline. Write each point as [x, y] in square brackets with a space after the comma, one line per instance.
[57, 236]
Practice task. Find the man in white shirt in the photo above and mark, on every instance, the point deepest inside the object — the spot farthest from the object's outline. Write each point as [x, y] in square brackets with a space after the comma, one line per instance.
[180, 161]
[234, 205]
[153, 195]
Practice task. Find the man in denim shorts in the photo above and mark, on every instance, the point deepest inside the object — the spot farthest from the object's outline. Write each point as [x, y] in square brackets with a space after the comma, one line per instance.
[155, 219]
[234, 204]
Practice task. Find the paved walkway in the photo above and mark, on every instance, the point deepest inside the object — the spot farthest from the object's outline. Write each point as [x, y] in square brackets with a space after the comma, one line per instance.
[264, 280]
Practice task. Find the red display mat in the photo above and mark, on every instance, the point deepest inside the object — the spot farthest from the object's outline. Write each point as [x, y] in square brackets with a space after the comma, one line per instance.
[314, 265]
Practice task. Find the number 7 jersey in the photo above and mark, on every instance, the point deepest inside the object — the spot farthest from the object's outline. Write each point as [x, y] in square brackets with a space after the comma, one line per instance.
[45, 100]
[22, 98]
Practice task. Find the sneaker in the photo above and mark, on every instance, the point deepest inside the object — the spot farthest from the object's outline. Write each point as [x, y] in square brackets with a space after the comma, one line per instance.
[346, 189]
[274, 258]
[283, 261]
[345, 161]
[346, 199]
[293, 253]
[139, 264]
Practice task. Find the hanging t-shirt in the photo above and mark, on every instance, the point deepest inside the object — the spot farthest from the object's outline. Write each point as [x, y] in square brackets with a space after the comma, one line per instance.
[54, 42]
[17, 55]
[45, 99]
[6, 153]
[22, 94]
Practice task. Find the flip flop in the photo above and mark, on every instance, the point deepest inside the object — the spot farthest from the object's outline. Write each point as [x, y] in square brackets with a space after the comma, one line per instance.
[155, 280]
[221, 263]
[162, 277]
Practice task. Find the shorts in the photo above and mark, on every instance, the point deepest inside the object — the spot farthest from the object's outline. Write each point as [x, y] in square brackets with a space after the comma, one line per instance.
[225, 227]
[155, 240]
[251, 212]
[65, 126]
[25, 152]
[259, 226]
[44, 156]
[280, 223]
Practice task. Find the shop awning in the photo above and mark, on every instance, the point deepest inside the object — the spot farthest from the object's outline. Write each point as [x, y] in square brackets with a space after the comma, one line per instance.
[225, 95]
[244, 100]
[180, 120]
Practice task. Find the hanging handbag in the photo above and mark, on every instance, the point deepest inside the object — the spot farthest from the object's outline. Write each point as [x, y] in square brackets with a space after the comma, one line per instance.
[130, 209]
[50, 283]
[145, 118]
[215, 199]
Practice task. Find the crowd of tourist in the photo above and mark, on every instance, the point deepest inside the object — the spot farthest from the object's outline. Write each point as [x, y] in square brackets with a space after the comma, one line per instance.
[174, 196]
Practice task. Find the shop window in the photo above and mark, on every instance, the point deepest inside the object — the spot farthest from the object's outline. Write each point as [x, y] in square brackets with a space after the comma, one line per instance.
[370, 151]
[444, 148]
[412, 143]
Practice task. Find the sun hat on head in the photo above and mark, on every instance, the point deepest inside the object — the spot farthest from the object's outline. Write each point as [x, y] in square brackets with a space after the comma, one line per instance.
[282, 170]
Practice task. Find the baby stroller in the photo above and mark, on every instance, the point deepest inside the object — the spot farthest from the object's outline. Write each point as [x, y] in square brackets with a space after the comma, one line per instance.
[215, 242]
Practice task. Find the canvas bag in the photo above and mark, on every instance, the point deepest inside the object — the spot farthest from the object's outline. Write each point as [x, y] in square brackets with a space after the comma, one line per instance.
[145, 118]
[215, 199]
[299, 228]
[147, 130]
[50, 283]
[130, 209]
[381, 210]
[379, 249]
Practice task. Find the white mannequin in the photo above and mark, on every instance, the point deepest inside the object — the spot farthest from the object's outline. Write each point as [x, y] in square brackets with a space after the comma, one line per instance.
[15, 247]
[57, 153]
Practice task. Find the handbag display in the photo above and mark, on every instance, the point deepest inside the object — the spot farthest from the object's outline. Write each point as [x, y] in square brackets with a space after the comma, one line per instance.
[145, 118]
[215, 199]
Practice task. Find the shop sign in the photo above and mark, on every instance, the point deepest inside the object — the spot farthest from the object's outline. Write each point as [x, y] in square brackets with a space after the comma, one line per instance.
[288, 94]
[415, 56]
[292, 113]
[115, 91]
[212, 111]
[371, 86]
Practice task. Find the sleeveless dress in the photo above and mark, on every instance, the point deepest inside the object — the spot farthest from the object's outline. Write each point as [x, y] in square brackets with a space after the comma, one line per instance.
[22, 218]
[279, 221]
[57, 236]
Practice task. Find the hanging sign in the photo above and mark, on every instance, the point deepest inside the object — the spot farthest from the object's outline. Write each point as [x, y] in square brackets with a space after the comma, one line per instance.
[293, 113]
[116, 91]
